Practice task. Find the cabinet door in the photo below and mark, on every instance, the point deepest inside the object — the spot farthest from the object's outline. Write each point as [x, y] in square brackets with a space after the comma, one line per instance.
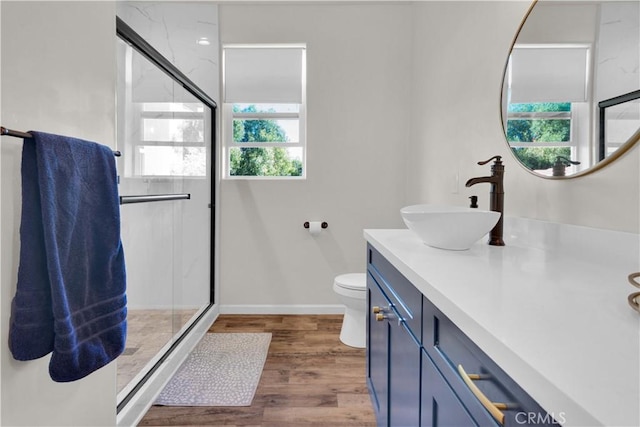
[440, 405]
[404, 375]
[377, 353]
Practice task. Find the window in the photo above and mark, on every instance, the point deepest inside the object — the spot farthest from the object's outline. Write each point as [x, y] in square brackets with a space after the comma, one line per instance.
[264, 111]
[547, 95]
[540, 132]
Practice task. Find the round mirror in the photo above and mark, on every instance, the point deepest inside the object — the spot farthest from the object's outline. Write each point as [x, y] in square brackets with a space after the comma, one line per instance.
[571, 88]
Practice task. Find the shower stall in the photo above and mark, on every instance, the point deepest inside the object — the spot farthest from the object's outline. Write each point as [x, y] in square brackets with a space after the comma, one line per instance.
[166, 133]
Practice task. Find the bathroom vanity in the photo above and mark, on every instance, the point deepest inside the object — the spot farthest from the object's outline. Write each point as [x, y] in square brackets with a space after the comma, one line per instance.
[533, 333]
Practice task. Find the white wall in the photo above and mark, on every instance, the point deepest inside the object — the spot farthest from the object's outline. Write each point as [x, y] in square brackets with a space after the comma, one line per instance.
[460, 49]
[358, 74]
[404, 100]
[58, 76]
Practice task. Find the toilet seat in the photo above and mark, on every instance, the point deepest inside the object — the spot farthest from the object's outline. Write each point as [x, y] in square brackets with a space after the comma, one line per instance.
[353, 281]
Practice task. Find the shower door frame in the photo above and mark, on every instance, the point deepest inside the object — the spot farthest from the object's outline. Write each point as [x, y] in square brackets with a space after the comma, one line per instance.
[129, 36]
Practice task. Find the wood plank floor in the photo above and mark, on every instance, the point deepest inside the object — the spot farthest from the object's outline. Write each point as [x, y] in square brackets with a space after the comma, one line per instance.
[310, 379]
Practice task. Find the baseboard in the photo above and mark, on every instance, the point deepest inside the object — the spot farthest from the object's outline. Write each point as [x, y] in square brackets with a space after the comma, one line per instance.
[282, 309]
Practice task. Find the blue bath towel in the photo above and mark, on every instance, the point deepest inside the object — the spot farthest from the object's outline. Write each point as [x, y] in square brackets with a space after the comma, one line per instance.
[70, 298]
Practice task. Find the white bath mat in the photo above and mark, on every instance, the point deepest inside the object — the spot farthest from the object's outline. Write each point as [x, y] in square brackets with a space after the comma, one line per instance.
[223, 370]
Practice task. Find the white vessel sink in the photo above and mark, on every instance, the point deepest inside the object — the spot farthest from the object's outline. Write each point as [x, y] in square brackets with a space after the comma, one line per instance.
[449, 227]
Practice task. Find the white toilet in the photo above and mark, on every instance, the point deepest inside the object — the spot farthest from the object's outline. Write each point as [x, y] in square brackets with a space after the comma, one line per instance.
[352, 289]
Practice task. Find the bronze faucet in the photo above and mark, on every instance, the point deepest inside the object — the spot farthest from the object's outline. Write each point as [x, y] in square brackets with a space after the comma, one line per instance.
[497, 196]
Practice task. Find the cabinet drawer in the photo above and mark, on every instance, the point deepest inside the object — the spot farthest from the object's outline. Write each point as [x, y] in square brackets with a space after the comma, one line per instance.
[406, 299]
[440, 407]
[450, 348]
[404, 376]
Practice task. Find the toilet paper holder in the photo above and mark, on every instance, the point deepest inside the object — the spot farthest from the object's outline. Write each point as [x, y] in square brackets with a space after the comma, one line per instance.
[323, 225]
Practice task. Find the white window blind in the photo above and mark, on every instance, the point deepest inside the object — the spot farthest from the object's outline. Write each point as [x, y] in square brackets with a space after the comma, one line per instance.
[549, 74]
[263, 74]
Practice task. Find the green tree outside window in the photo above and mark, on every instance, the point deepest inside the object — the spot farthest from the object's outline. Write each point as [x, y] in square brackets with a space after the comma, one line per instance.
[539, 130]
[256, 161]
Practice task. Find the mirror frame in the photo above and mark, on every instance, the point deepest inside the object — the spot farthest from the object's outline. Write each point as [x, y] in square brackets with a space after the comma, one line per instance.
[624, 148]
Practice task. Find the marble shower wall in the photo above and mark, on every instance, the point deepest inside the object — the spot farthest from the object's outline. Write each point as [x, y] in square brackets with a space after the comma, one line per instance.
[618, 66]
[618, 58]
[173, 29]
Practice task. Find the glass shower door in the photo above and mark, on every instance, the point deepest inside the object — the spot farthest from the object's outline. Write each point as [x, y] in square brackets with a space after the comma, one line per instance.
[164, 134]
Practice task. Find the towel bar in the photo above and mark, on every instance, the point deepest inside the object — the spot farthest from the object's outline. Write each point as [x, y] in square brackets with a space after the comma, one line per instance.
[125, 200]
[18, 134]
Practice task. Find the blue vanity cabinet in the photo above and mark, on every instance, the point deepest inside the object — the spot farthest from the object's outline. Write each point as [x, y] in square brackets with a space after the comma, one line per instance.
[393, 347]
[422, 370]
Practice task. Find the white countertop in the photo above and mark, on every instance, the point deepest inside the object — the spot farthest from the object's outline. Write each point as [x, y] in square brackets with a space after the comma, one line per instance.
[552, 312]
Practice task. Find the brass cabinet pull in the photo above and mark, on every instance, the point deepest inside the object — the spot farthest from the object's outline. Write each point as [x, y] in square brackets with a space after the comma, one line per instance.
[632, 280]
[380, 317]
[495, 409]
[377, 309]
